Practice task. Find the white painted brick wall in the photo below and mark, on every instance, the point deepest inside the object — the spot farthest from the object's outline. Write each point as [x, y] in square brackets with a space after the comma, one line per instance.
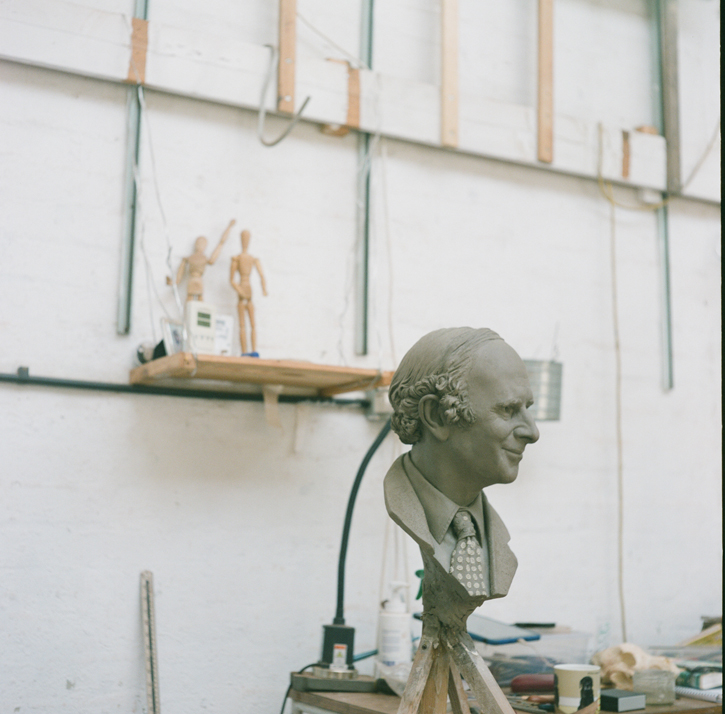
[240, 522]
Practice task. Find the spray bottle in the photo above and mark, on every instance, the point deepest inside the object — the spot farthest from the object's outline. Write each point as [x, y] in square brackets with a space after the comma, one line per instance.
[394, 633]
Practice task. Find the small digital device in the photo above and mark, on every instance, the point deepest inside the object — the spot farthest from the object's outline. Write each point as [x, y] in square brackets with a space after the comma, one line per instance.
[200, 320]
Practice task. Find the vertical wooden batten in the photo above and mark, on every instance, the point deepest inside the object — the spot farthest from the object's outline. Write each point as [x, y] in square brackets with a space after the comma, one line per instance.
[352, 120]
[139, 48]
[449, 73]
[626, 150]
[545, 103]
[353, 97]
[287, 52]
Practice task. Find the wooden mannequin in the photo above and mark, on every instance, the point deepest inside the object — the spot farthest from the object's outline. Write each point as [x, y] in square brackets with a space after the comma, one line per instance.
[244, 264]
[196, 264]
[460, 397]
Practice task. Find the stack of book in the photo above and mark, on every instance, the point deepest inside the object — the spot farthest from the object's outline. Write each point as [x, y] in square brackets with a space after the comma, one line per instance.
[700, 679]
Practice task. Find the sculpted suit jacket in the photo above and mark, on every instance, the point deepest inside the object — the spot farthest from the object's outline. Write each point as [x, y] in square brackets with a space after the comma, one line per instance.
[443, 595]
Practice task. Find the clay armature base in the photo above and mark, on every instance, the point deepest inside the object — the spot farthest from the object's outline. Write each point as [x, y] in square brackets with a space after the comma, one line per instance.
[442, 657]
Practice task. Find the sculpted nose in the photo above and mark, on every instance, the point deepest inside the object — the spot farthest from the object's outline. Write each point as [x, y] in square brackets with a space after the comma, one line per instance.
[528, 430]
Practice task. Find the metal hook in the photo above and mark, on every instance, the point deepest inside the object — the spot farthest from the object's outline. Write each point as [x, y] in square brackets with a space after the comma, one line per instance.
[263, 111]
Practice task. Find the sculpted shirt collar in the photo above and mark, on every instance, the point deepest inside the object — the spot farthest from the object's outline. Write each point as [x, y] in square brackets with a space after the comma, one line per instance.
[438, 508]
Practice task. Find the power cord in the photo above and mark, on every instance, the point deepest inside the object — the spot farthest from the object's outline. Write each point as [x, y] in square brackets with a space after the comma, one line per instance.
[289, 688]
[339, 614]
[339, 619]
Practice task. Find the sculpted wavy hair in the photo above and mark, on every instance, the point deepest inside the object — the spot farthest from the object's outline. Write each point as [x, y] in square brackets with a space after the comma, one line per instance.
[437, 364]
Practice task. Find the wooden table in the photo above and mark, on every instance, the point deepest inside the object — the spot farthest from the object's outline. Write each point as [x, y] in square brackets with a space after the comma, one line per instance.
[364, 703]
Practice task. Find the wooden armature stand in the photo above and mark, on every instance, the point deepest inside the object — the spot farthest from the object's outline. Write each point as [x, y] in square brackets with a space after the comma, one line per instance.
[446, 650]
[443, 657]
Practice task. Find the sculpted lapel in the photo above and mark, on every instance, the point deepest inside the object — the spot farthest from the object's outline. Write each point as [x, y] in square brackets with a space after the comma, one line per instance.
[405, 510]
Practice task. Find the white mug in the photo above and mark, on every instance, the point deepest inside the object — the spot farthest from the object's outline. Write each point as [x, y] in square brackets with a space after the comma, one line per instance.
[576, 686]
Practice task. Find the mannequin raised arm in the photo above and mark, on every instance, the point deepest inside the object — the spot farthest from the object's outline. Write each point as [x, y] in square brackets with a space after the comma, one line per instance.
[223, 239]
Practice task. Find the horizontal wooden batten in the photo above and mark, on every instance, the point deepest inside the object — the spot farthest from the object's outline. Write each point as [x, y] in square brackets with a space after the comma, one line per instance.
[71, 38]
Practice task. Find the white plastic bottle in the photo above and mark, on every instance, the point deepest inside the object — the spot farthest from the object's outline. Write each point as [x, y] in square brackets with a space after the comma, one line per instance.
[394, 632]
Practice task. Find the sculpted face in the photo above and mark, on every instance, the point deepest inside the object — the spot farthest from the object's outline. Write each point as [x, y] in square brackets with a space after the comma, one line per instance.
[489, 450]
[200, 244]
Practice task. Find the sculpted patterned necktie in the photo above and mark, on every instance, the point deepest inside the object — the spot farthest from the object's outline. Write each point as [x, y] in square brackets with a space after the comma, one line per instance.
[467, 557]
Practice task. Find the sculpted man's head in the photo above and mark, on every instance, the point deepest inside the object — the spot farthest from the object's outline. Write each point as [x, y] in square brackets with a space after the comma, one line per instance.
[461, 397]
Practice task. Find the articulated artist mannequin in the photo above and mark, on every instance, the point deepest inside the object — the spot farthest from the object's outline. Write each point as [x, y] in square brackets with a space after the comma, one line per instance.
[197, 262]
[460, 397]
[244, 264]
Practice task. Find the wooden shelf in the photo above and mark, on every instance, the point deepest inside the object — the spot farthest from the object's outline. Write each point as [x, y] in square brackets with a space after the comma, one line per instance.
[300, 377]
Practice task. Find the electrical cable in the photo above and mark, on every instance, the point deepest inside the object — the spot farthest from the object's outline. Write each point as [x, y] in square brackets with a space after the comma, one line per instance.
[388, 244]
[143, 112]
[273, 60]
[364, 655]
[364, 167]
[701, 161]
[356, 61]
[139, 207]
[339, 614]
[164, 223]
[339, 619]
[289, 688]
[618, 423]
[607, 187]
[618, 384]
[362, 176]
[150, 283]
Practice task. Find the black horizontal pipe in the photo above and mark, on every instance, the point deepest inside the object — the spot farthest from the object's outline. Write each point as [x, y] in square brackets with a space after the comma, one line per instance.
[23, 377]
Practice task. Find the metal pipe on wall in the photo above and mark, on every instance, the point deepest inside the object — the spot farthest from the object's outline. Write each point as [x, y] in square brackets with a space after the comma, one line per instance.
[23, 377]
[666, 112]
[364, 160]
[133, 144]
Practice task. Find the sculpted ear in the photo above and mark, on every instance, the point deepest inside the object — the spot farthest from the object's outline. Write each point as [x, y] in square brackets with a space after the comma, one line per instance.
[431, 417]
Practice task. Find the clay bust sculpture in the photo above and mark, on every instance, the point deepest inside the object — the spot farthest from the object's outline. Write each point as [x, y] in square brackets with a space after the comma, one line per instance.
[197, 262]
[460, 397]
[243, 264]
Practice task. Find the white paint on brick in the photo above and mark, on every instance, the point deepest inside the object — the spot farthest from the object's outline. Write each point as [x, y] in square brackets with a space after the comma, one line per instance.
[95, 488]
